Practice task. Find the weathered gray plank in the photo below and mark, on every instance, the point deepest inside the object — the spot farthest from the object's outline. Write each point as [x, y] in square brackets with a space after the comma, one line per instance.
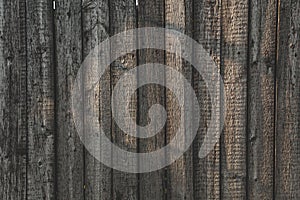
[288, 104]
[207, 31]
[95, 15]
[178, 15]
[4, 93]
[234, 70]
[122, 18]
[151, 185]
[13, 130]
[261, 97]
[21, 148]
[40, 105]
[70, 163]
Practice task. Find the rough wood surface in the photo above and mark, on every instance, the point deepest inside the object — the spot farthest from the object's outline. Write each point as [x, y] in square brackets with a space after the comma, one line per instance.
[13, 79]
[178, 15]
[95, 20]
[207, 31]
[254, 43]
[122, 18]
[151, 185]
[261, 101]
[287, 175]
[68, 40]
[234, 71]
[40, 100]
[4, 93]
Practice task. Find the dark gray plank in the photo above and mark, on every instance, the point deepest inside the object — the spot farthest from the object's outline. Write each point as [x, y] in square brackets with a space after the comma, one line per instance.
[41, 97]
[261, 97]
[234, 70]
[207, 31]
[152, 185]
[288, 104]
[95, 15]
[178, 16]
[4, 96]
[122, 18]
[70, 163]
[13, 130]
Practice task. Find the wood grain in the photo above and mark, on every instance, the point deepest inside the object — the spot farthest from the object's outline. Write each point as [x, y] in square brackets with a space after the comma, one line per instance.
[178, 15]
[13, 115]
[255, 45]
[95, 20]
[123, 17]
[207, 31]
[68, 40]
[288, 108]
[151, 185]
[40, 100]
[234, 71]
[261, 98]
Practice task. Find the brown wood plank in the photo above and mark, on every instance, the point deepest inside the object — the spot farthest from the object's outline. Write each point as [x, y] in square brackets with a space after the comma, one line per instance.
[95, 15]
[234, 70]
[41, 97]
[122, 18]
[178, 15]
[151, 185]
[68, 39]
[207, 31]
[13, 131]
[261, 91]
[288, 106]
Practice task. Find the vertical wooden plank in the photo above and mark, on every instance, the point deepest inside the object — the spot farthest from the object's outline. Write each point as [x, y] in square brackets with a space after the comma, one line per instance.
[152, 185]
[13, 130]
[288, 106]
[178, 15]
[234, 69]
[70, 163]
[3, 101]
[261, 93]
[4, 93]
[207, 31]
[95, 15]
[122, 18]
[40, 100]
[21, 103]
[40, 80]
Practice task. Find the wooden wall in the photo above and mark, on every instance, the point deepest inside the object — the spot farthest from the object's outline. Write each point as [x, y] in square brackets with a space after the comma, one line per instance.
[256, 45]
